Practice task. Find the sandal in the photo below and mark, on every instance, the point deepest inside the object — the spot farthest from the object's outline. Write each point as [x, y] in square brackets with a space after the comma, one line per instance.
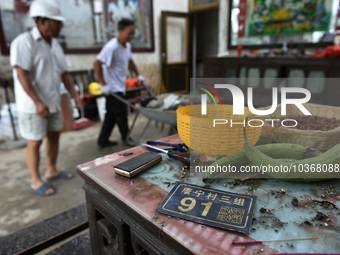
[61, 175]
[42, 189]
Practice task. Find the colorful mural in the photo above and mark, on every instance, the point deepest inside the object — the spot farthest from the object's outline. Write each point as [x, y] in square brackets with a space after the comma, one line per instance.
[282, 17]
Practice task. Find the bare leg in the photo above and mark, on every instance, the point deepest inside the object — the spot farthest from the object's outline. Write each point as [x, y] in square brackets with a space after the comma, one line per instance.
[33, 160]
[52, 149]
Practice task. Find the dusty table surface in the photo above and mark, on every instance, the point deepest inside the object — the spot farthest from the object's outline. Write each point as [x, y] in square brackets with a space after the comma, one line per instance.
[302, 210]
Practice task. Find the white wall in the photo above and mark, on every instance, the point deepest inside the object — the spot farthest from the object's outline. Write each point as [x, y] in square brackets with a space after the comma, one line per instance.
[84, 61]
[223, 26]
[158, 7]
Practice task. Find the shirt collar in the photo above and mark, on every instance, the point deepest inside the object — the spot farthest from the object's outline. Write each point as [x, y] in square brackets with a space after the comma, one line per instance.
[36, 33]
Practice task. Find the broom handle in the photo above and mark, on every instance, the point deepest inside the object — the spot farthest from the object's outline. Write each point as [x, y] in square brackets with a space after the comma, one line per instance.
[81, 87]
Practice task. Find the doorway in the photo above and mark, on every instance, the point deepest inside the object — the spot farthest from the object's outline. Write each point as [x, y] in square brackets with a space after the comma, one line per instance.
[175, 51]
[205, 38]
[187, 38]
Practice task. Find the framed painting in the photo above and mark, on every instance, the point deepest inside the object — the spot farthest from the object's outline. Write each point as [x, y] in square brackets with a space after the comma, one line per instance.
[288, 17]
[140, 11]
[272, 23]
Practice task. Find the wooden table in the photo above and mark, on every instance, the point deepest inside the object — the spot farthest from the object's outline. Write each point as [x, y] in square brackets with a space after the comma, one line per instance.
[122, 213]
[123, 206]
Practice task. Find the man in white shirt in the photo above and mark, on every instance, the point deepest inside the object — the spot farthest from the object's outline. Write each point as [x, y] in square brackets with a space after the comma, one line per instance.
[111, 68]
[39, 67]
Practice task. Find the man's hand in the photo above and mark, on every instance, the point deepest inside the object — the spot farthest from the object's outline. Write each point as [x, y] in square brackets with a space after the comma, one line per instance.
[105, 89]
[42, 110]
[140, 79]
[78, 102]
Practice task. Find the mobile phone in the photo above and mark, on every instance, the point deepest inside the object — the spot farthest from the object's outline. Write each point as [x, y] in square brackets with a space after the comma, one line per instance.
[135, 165]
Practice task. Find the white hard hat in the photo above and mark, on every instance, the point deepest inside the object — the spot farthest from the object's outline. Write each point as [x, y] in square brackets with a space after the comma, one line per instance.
[46, 9]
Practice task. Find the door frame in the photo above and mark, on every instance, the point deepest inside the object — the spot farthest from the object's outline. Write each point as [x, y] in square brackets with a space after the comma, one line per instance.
[167, 66]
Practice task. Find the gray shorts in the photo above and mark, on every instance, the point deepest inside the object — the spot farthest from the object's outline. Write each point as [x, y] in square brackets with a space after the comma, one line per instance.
[34, 127]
